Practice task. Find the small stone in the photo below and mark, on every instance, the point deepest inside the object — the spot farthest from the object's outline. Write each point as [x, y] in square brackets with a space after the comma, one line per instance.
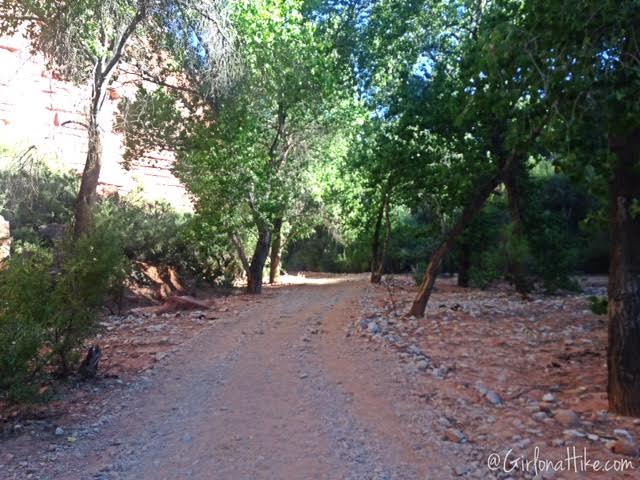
[623, 435]
[373, 327]
[557, 442]
[548, 397]
[461, 470]
[481, 388]
[455, 435]
[540, 416]
[304, 375]
[524, 443]
[59, 431]
[414, 349]
[625, 447]
[494, 398]
[572, 433]
[422, 365]
[567, 418]
[593, 437]
[444, 421]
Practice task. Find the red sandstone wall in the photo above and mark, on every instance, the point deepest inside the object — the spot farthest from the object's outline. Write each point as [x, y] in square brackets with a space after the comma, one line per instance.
[33, 105]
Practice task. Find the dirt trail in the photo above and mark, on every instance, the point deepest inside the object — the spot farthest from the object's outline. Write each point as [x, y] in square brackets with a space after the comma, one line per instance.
[278, 392]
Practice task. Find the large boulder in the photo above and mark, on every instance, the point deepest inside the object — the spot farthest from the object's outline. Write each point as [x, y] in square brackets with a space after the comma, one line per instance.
[5, 239]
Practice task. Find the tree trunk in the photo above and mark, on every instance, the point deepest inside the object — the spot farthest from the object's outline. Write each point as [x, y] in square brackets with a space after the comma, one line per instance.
[276, 250]
[89, 183]
[513, 183]
[465, 264]
[476, 204]
[377, 260]
[103, 71]
[623, 355]
[260, 254]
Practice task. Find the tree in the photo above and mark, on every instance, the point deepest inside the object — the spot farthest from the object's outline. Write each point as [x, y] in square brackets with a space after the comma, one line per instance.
[248, 165]
[86, 41]
[587, 54]
[478, 114]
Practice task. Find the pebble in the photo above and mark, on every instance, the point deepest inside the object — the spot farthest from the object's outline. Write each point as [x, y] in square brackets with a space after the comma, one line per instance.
[624, 447]
[422, 365]
[572, 433]
[548, 397]
[455, 435]
[494, 398]
[623, 435]
[59, 431]
[373, 327]
[540, 416]
[567, 418]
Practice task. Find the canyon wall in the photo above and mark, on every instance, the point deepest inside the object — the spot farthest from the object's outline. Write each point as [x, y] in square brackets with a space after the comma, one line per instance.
[34, 106]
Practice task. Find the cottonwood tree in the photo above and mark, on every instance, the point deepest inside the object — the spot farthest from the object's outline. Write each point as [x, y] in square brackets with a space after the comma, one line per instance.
[587, 54]
[246, 154]
[476, 121]
[86, 41]
[255, 158]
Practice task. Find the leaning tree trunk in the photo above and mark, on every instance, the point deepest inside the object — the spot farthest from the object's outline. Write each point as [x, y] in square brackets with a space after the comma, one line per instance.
[513, 183]
[276, 251]
[470, 211]
[260, 254]
[89, 183]
[623, 355]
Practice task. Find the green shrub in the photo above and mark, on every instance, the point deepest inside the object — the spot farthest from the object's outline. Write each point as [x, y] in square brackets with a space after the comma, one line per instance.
[25, 291]
[49, 307]
[33, 194]
[599, 305]
[92, 268]
[488, 267]
[154, 232]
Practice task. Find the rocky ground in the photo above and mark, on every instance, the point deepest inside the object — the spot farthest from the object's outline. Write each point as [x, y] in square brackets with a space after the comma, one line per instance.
[323, 378]
[508, 374]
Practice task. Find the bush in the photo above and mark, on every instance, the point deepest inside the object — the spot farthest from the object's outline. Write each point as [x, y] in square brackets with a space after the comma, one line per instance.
[49, 307]
[154, 232]
[599, 305]
[25, 289]
[488, 267]
[33, 194]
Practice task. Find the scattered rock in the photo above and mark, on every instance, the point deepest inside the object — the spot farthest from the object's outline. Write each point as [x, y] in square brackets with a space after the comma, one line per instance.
[572, 433]
[567, 418]
[625, 447]
[59, 431]
[373, 327]
[422, 365]
[455, 435]
[623, 435]
[549, 397]
[540, 416]
[494, 398]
